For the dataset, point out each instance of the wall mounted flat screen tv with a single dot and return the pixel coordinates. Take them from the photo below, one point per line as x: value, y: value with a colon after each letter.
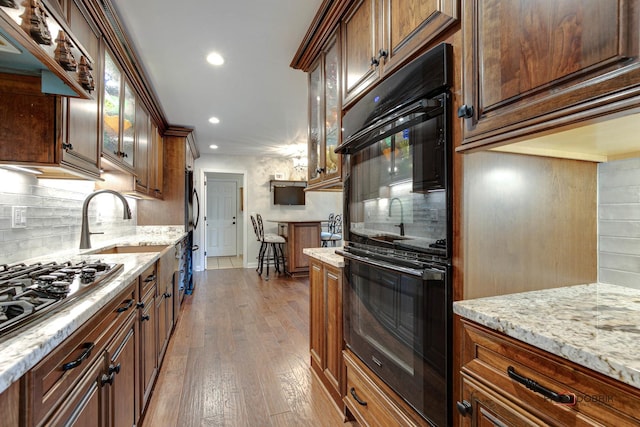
x: 288, y: 195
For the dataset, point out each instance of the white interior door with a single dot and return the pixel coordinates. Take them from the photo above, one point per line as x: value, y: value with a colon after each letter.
x: 221, y: 217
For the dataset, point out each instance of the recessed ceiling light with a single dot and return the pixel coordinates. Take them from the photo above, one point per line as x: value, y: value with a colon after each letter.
x: 215, y: 58
x: 214, y: 120
x: 213, y: 146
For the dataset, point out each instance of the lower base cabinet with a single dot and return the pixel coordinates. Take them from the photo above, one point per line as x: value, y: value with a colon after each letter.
x: 326, y: 336
x: 492, y: 396
x: 100, y: 376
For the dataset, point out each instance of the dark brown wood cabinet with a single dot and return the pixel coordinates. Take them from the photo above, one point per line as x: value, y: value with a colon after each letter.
x: 378, y: 36
x: 165, y: 300
x: 326, y: 336
x: 80, y: 117
x: 35, y: 130
x: 148, y: 334
x: 325, y: 166
x: 121, y: 372
x: 77, y: 394
x: 490, y: 396
x: 534, y: 66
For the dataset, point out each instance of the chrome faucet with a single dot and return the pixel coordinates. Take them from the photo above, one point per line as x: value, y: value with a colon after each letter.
x: 85, y: 234
x: 401, y: 225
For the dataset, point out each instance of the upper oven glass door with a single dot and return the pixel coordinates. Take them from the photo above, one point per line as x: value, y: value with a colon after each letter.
x: 397, y: 184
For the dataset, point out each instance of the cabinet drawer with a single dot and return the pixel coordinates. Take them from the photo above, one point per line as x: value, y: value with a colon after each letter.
x: 147, y: 280
x: 593, y: 398
x: 54, y: 377
x: 370, y: 403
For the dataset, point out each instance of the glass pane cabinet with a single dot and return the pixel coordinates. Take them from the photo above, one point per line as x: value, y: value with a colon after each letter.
x: 119, y: 112
x: 325, y: 119
x: 111, y: 107
x: 332, y: 111
x: 128, y: 122
x: 315, y: 110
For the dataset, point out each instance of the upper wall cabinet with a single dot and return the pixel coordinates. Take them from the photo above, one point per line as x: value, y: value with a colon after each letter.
x: 80, y: 130
x: 325, y: 166
x: 381, y: 35
x: 531, y: 66
x: 118, y: 119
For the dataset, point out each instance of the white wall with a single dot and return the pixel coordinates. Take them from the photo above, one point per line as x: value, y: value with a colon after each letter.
x: 619, y: 222
x: 258, y: 199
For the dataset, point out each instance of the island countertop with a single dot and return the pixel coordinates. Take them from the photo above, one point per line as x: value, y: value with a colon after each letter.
x: 594, y: 325
x: 326, y: 255
x: 22, y: 351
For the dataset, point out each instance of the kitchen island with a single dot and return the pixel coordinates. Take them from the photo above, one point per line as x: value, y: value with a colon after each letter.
x: 299, y: 234
x: 574, y: 348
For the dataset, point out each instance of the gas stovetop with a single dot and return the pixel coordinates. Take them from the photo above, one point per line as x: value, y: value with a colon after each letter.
x: 27, y: 292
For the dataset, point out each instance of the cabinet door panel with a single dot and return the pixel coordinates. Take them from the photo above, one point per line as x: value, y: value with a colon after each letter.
x: 122, y: 354
x: 537, y: 65
x: 333, y: 295
x: 316, y: 134
x: 81, y: 130
x: 316, y: 312
x: 128, y: 124
x: 360, y: 35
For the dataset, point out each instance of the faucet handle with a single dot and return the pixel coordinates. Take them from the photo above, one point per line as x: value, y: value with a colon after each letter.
x: 96, y: 232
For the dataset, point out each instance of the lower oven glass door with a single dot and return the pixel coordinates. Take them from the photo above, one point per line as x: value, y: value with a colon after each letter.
x: 398, y: 324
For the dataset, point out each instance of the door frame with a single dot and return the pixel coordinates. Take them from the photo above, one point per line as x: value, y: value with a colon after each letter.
x: 202, y: 233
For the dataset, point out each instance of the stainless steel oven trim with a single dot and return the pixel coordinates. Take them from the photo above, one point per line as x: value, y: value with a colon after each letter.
x: 419, y: 273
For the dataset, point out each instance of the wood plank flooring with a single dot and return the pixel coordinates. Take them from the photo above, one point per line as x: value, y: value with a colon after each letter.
x: 240, y: 357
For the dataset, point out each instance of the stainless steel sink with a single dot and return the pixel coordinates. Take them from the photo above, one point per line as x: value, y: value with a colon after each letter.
x: 130, y: 249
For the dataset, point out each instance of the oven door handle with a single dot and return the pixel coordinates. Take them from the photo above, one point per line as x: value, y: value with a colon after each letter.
x: 416, y: 272
x: 349, y: 145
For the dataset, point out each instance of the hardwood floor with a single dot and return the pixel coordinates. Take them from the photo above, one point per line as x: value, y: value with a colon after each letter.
x: 240, y: 357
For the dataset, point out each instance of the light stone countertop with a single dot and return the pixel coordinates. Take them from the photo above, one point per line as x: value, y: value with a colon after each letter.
x: 595, y: 325
x: 20, y: 352
x: 326, y: 255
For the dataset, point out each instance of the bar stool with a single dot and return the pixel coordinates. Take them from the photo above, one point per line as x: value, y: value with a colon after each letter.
x: 271, y: 248
x: 334, y: 231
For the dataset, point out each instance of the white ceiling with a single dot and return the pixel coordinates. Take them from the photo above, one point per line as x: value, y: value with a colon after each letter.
x: 261, y: 102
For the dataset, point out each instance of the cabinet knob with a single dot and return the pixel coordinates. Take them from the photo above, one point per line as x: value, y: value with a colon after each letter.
x: 140, y: 305
x: 382, y: 54
x: 144, y: 317
x: 167, y: 295
x: 114, y: 368
x: 107, y: 379
x: 374, y: 61
x: 67, y: 146
x: 464, y: 408
x: 465, y: 111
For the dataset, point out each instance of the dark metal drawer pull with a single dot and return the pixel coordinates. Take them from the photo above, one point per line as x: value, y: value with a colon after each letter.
x: 126, y: 307
x: 355, y: 396
x: 88, y: 346
x: 534, y: 386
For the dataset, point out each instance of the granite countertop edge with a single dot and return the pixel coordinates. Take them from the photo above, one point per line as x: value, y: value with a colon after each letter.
x: 21, y: 352
x: 587, y: 324
x: 326, y: 255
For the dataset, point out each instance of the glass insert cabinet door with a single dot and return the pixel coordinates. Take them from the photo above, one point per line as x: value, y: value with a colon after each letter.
x: 119, y: 112
x: 332, y: 110
x: 128, y: 121
x: 111, y: 107
x: 315, y: 119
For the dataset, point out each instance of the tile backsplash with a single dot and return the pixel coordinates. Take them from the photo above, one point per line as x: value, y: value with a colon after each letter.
x: 53, y: 216
x: 619, y: 222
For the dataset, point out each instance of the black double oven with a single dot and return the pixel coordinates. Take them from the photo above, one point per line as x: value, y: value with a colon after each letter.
x: 397, y: 211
